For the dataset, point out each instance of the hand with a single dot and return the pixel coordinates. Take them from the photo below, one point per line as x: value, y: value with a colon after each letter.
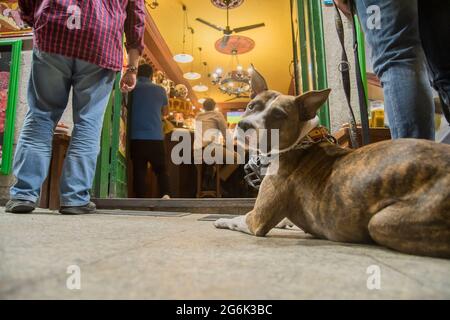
x: 344, y: 6
x: 128, y: 81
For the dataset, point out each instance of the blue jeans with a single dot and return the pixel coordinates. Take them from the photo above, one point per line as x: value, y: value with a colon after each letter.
x: 399, y: 60
x: 52, y: 77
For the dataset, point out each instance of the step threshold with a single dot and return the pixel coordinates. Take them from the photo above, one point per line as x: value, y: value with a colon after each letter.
x: 205, y: 206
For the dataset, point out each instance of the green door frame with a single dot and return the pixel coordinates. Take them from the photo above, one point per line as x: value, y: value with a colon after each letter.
x: 360, y: 38
x: 102, y: 174
x: 313, y: 64
x: 118, y: 177
x: 13, y: 91
x: 110, y: 177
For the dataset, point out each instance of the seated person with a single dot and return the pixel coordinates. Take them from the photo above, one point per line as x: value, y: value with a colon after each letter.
x: 213, y: 126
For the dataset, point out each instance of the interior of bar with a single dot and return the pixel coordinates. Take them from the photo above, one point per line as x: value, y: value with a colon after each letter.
x: 203, y: 52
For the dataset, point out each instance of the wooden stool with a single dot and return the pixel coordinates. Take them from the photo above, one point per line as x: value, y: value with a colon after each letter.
x: 208, y: 193
x: 50, y: 189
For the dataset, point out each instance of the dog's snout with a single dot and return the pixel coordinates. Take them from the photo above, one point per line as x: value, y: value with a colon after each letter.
x: 245, y: 125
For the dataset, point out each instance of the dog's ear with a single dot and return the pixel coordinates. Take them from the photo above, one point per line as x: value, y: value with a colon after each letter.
x: 310, y: 102
x: 257, y: 82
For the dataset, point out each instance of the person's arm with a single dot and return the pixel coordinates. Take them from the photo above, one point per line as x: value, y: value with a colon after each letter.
x: 129, y: 78
x: 134, y: 32
x: 27, y: 11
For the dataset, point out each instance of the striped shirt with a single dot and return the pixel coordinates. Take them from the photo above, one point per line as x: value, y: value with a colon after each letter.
x: 90, y: 30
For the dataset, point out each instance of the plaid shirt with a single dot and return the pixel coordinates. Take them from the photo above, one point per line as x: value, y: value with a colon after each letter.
x: 90, y: 30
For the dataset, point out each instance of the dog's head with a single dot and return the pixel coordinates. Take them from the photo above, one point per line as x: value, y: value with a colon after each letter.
x: 273, y: 110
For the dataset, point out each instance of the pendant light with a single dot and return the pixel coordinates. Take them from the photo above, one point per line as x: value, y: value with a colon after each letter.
x: 191, y: 75
x: 184, y: 57
x: 201, y: 87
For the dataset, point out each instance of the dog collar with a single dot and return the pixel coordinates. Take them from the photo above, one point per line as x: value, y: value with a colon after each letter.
x: 310, y: 135
x: 315, y: 136
x: 253, y: 169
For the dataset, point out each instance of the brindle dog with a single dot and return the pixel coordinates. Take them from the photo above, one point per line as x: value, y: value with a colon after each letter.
x: 393, y: 193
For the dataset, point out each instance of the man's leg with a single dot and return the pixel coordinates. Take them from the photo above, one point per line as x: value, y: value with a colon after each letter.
x: 434, y: 21
x: 140, y: 163
x: 399, y: 62
x: 158, y: 161
x: 92, y: 87
x: 48, y: 92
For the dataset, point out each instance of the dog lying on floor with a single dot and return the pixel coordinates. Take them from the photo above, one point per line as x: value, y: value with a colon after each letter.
x: 393, y: 193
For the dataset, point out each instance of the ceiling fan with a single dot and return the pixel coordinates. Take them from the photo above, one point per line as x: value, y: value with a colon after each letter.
x: 228, y: 31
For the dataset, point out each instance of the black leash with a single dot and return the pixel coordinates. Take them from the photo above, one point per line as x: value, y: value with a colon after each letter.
x: 363, y: 108
x: 344, y: 68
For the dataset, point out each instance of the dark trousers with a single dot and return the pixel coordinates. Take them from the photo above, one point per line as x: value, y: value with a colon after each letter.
x: 434, y: 16
x: 143, y: 152
x: 411, y: 34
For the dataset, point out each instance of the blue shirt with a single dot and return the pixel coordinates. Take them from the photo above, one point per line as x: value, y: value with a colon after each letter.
x: 148, y: 101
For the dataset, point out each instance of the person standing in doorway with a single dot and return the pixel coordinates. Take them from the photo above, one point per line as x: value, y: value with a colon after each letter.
x: 78, y: 47
x: 149, y: 106
x: 408, y: 38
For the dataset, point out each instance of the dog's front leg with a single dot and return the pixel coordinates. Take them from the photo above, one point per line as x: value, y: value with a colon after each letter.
x: 266, y: 214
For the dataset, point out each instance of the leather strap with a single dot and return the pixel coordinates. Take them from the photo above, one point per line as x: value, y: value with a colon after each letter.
x: 315, y: 136
x: 319, y: 134
x: 363, y: 108
x: 344, y: 68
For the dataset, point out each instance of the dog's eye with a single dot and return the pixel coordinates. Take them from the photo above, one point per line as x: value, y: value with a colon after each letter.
x: 279, y: 113
x: 251, y: 106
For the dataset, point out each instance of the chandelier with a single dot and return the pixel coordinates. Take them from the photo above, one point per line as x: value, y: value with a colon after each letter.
x: 235, y: 82
x: 224, y: 4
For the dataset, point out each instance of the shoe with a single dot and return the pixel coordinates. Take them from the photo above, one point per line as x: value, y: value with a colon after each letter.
x: 166, y: 197
x: 20, y: 206
x: 74, y: 210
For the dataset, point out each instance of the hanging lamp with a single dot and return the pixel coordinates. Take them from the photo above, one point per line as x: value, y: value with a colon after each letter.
x: 191, y: 75
x: 184, y: 57
x: 201, y: 87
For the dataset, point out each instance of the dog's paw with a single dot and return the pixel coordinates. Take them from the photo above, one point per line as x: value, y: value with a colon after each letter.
x: 236, y: 224
x: 222, y: 223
